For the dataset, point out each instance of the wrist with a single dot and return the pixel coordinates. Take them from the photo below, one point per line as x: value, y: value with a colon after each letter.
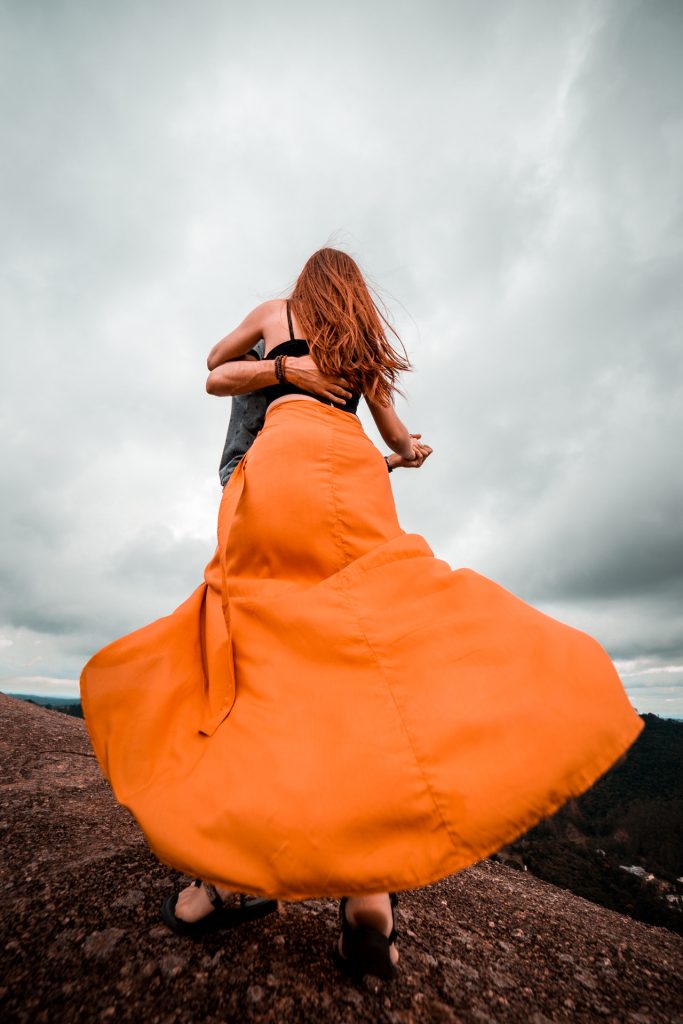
x: 291, y: 370
x: 267, y: 373
x: 280, y: 372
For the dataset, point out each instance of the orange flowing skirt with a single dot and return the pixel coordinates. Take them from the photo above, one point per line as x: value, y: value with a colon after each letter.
x: 334, y: 710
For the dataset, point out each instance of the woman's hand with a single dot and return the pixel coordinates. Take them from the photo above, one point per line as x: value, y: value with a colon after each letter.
x: 420, y: 453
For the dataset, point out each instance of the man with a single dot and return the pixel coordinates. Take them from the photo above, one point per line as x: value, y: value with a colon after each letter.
x: 243, y: 381
x: 247, y: 412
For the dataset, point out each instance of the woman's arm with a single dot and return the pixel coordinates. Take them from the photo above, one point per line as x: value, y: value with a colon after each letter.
x: 243, y: 338
x: 423, y: 451
x: 393, y: 431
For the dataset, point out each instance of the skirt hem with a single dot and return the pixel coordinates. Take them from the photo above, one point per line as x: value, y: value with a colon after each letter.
x: 577, y: 784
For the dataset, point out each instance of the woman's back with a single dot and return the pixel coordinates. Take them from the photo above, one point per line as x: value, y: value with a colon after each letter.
x: 282, y: 324
x: 294, y: 346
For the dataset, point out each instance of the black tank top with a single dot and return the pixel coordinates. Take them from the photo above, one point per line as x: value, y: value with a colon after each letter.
x: 299, y: 347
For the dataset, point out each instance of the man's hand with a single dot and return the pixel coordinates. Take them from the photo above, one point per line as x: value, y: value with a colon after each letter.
x: 302, y: 371
x: 420, y: 451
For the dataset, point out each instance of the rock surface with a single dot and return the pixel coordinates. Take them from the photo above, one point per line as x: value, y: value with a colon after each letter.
x: 82, y: 939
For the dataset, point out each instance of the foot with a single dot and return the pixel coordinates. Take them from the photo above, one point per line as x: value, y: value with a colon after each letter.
x: 374, y: 911
x: 194, y: 902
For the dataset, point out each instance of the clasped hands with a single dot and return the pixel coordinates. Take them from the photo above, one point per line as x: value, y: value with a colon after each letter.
x: 420, y: 453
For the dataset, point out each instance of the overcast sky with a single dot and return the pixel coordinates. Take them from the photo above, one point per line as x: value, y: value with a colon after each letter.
x: 509, y: 177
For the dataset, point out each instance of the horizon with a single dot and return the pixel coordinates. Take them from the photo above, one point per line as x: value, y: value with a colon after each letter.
x: 77, y: 700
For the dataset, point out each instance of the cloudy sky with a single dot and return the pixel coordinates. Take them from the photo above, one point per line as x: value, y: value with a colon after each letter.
x: 509, y: 177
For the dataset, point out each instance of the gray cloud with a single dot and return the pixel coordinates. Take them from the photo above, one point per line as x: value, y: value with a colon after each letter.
x: 508, y: 175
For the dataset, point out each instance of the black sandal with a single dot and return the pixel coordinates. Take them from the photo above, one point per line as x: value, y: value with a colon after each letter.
x: 250, y: 908
x: 364, y: 949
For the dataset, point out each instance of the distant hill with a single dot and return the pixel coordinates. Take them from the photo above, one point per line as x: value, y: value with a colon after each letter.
x: 620, y: 844
x: 68, y: 705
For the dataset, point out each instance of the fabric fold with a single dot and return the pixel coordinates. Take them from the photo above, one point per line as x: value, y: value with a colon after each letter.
x: 336, y: 710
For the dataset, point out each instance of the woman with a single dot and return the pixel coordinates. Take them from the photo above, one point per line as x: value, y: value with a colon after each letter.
x: 335, y: 711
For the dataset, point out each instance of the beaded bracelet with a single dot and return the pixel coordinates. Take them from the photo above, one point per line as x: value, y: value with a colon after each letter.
x: 280, y: 369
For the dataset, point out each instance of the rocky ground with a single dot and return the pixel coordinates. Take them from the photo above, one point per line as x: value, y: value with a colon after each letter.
x: 82, y: 939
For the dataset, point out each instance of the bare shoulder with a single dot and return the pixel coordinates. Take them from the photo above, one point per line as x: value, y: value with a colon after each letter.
x: 271, y: 314
x: 264, y: 311
x: 273, y: 305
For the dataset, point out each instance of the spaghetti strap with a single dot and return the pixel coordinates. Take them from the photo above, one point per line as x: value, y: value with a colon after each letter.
x: 289, y: 321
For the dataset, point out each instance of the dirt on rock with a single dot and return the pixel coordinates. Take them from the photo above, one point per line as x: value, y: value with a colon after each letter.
x: 83, y: 940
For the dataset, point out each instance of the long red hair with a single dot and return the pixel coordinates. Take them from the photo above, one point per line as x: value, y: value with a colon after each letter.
x: 343, y: 326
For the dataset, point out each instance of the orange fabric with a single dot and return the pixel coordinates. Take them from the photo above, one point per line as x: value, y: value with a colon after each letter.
x: 335, y: 710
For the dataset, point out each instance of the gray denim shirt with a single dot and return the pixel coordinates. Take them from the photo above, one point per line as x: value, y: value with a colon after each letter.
x: 246, y: 419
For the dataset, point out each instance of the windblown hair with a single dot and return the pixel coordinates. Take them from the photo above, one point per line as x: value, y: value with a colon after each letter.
x: 344, y: 328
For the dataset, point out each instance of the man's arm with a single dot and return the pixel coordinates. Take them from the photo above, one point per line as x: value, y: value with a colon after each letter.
x: 240, y: 376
